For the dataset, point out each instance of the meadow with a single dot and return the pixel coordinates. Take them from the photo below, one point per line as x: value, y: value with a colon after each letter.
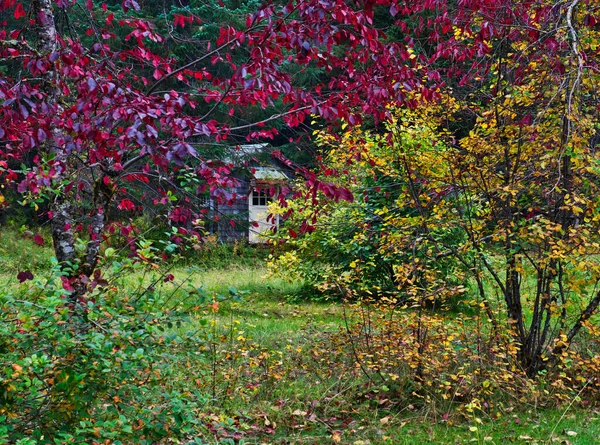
x: 254, y: 360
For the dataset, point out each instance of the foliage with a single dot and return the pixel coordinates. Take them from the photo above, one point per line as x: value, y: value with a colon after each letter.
x: 432, y: 357
x: 367, y: 245
x: 104, y: 109
x: 486, y: 191
x: 282, y: 372
x: 507, y: 196
x: 528, y: 195
x: 444, y: 220
x: 103, y: 377
x: 337, y: 367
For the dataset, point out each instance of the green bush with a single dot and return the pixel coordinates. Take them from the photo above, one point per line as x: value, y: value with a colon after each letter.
x: 94, y: 370
x: 382, y: 243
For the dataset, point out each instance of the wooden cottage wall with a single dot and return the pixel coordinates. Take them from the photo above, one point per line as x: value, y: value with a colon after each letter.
x: 230, y: 222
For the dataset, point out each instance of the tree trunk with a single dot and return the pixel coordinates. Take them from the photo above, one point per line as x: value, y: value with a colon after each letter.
x: 61, y: 220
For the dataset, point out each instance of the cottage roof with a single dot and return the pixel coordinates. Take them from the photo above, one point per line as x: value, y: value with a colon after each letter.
x: 268, y: 174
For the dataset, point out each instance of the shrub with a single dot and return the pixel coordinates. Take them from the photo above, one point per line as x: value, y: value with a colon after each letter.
x: 380, y: 243
x: 93, y: 370
x: 453, y: 363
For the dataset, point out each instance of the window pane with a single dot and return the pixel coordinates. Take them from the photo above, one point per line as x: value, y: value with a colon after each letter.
x: 261, y: 197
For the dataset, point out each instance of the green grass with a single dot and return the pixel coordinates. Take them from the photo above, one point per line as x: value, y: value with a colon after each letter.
x: 315, y: 407
x: 18, y: 252
x: 532, y: 428
x: 272, y: 374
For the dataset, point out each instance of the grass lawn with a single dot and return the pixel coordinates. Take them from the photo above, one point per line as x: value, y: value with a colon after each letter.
x: 300, y: 394
x: 272, y: 370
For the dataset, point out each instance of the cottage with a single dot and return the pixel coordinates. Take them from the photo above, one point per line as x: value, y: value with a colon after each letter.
x: 247, y: 216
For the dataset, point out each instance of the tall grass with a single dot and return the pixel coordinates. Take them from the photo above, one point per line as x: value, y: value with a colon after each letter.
x: 272, y: 373
x: 19, y: 252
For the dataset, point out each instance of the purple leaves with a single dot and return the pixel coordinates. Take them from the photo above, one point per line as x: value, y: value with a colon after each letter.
x: 24, y: 276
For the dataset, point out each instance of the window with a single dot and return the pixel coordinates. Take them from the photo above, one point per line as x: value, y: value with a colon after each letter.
x: 260, y: 198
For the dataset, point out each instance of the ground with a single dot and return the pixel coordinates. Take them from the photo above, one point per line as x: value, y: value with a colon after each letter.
x: 263, y: 364
x: 303, y: 395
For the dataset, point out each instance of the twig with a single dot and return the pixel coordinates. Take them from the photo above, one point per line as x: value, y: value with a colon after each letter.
x: 568, y: 408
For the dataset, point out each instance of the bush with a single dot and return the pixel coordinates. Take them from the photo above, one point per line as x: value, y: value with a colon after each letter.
x: 456, y: 363
x: 93, y: 370
x: 382, y: 243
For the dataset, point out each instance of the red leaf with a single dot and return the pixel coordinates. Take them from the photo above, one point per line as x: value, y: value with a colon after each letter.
x: 89, y: 4
x: 19, y: 12
x: 126, y: 204
x: 38, y: 239
x: 66, y: 283
x: 293, y: 233
x: 178, y: 21
x: 24, y: 276
x: 345, y: 194
x: 526, y: 120
x: 181, y: 20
